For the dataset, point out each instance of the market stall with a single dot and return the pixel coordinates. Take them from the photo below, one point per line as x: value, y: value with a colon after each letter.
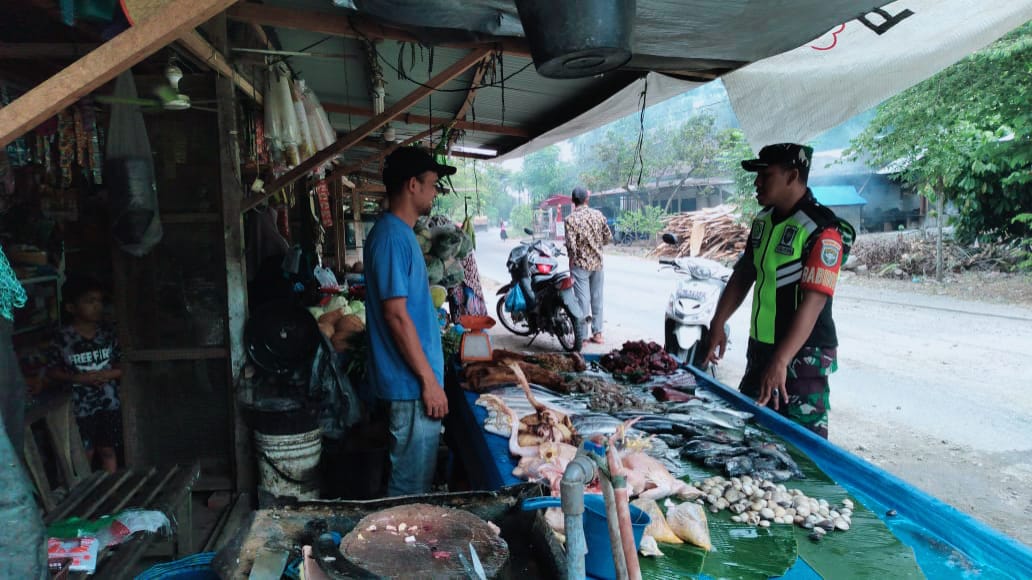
x: 863, y: 521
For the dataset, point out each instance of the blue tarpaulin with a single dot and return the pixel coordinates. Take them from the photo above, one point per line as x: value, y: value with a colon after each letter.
x: 946, y: 542
x: 838, y: 195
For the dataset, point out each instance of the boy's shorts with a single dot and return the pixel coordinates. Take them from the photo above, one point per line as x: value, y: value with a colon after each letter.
x: 101, y: 429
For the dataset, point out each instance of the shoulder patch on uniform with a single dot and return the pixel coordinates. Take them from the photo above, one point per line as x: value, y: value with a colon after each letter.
x: 830, y: 250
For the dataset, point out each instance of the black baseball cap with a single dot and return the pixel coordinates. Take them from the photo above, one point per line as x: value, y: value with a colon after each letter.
x: 788, y: 154
x: 579, y: 194
x: 406, y: 162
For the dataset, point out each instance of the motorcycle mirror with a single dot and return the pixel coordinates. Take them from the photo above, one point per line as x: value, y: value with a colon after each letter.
x: 670, y: 239
x: 528, y: 231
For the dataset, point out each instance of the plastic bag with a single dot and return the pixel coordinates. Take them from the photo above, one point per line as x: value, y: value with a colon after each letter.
x: 129, y: 170
x: 515, y: 301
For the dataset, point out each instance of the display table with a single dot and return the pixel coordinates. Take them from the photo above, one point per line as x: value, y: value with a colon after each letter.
x: 944, y: 540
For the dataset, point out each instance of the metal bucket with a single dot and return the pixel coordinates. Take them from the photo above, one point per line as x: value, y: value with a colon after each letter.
x: 288, y: 465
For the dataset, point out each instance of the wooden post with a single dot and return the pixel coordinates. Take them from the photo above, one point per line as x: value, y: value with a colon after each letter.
x: 233, y: 244
x: 129, y: 394
x: 356, y: 217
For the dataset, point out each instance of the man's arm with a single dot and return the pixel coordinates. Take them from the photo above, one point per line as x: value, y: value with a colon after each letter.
x: 406, y: 339
x: 734, y: 293
x: 571, y: 240
x: 607, y: 234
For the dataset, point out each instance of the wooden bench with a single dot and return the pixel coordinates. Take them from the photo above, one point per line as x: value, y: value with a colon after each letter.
x: 73, y: 490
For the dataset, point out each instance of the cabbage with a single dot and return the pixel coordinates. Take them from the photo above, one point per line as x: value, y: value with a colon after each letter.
x: 446, y: 242
x: 434, y: 270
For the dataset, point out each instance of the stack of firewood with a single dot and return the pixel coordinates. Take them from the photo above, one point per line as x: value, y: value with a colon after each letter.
x: 707, y: 233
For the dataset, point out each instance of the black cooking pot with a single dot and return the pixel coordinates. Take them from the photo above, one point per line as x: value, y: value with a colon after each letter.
x: 282, y: 337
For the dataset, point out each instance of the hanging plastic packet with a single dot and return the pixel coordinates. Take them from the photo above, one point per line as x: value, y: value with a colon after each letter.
x: 327, y: 280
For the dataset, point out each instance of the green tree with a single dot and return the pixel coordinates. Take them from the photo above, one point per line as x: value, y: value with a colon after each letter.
x: 522, y: 216
x: 647, y: 220
x: 545, y: 175
x: 733, y: 149
x: 681, y: 150
x: 965, y: 134
x: 480, y: 188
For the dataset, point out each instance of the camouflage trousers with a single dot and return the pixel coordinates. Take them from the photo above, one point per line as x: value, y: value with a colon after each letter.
x: 806, y: 382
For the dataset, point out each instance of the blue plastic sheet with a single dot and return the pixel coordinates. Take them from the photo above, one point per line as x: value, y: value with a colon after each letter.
x: 946, y: 542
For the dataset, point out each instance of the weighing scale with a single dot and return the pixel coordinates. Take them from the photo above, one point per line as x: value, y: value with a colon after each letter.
x: 476, y: 344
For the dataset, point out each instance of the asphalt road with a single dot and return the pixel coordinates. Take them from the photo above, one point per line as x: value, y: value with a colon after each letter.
x: 935, y: 390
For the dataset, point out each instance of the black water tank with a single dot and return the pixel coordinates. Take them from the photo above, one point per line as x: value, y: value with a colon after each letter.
x: 578, y: 38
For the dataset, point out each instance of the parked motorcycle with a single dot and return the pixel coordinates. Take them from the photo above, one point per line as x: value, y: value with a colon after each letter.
x: 692, y: 304
x: 548, y: 301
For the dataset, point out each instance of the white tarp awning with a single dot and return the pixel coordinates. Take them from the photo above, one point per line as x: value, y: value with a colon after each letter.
x: 797, y: 95
x: 623, y: 103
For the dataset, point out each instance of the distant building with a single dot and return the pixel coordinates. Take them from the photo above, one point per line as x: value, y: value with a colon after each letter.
x: 843, y: 200
x: 888, y: 205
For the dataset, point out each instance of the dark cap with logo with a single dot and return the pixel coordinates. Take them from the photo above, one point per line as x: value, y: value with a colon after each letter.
x: 579, y: 194
x: 406, y: 162
x: 787, y: 154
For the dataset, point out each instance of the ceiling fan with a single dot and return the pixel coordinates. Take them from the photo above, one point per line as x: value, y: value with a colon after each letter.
x: 168, y: 96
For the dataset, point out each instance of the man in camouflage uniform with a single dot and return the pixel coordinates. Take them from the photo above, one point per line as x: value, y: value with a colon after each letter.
x: 796, y: 247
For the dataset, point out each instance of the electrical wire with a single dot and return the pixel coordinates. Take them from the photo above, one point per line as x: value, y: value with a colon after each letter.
x: 405, y: 76
x: 641, y: 133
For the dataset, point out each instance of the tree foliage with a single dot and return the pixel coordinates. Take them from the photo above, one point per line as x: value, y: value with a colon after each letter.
x: 480, y: 188
x: 966, y: 134
x: 733, y: 149
x: 647, y: 220
x: 544, y: 174
x: 522, y: 216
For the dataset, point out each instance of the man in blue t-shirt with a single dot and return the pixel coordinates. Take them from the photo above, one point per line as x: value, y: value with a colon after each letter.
x: 406, y: 366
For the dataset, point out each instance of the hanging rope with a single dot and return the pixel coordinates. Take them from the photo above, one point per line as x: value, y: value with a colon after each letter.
x: 641, y: 134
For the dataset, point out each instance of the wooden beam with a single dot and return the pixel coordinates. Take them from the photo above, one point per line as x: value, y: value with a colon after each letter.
x: 103, y: 64
x: 369, y: 126
x: 414, y: 119
x: 357, y: 26
x: 215, y: 60
x: 371, y: 188
x: 349, y: 169
x: 460, y: 115
x: 478, y: 77
x: 45, y: 50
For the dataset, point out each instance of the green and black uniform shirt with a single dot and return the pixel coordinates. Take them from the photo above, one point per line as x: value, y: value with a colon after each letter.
x: 788, y: 256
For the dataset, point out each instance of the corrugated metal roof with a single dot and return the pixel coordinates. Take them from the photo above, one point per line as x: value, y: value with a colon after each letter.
x: 669, y: 35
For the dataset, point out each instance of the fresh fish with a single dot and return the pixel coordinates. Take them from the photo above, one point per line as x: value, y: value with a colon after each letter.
x: 705, y: 417
x: 672, y: 440
x: 776, y: 475
x: 779, y: 453
x: 738, y: 466
x: 701, y: 449
x: 711, y: 406
x: 588, y: 424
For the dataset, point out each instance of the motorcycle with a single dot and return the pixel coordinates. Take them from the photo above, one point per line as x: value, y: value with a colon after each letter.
x: 692, y: 304
x: 549, y: 302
